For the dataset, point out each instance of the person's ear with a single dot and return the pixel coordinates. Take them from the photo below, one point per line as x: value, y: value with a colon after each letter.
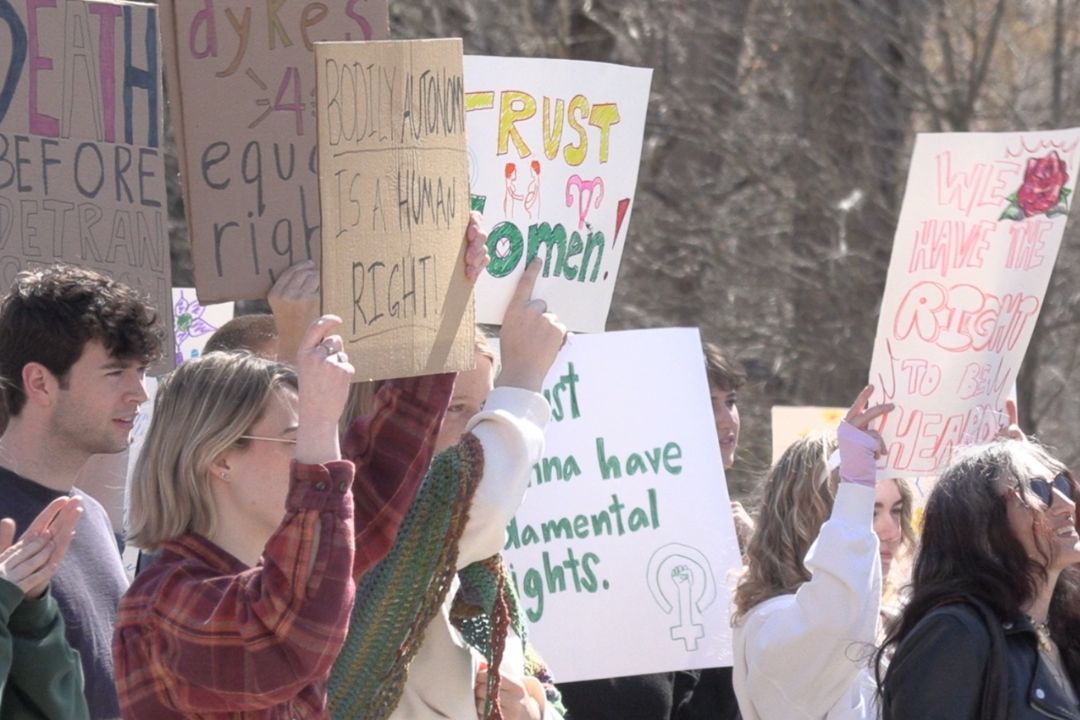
x: 220, y: 468
x: 40, y: 386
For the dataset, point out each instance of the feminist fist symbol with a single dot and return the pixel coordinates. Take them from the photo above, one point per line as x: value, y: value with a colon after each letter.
x: 682, y: 584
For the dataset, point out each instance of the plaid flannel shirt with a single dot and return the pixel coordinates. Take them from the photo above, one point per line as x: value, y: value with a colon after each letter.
x: 201, y: 635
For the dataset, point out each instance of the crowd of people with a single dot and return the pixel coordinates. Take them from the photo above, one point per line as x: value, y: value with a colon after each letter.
x: 313, y: 547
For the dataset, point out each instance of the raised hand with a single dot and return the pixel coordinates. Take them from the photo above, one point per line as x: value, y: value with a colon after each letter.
x: 530, y: 338
x: 860, y: 447
x: 31, y: 563
x: 476, y: 254
x: 324, y: 373
x: 294, y: 300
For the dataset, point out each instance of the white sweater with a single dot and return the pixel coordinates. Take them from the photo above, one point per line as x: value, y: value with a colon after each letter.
x: 807, y: 656
x: 442, y: 675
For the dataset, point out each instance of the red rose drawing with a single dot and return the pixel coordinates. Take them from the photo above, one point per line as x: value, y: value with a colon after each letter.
x: 1043, y: 191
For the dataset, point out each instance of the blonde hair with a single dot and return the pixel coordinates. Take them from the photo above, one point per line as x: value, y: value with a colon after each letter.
x: 797, y: 499
x: 201, y: 410
x: 361, y: 400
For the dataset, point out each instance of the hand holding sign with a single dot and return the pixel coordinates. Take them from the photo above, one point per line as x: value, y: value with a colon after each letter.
x: 324, y: 376
x: 294, y: 300
x: 476, y: 253
x: 531, y: 337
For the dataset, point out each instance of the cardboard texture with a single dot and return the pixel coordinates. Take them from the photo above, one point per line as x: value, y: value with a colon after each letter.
x: 978, y: 234
x: 82, y: 172
x: 393, y: 183
x: 554, y: 150
x: 625, y: 541
x: 241, y: 81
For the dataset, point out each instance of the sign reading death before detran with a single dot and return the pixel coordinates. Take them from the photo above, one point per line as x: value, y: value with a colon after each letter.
x: 978, y: 234
x: 82, y: 173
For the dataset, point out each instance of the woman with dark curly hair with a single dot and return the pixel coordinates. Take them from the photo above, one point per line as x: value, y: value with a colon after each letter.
x: 992, y: 626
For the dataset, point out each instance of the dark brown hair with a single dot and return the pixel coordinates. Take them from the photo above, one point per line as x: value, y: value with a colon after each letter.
x: 723, y: 373
x: 49, y: 315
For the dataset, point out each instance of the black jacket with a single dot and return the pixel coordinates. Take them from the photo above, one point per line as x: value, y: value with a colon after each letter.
x: 939, y: 669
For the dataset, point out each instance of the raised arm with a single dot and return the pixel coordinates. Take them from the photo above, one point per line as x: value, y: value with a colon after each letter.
x: 830, y: 627
x: 212, y: 635
x: 392, y: 446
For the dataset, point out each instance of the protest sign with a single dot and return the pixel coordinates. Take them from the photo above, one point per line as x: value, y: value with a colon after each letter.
x: 625, y: 541
x: 195, y: 323
x: 82, y: 174
x: 794, y: 423
x: 554, y: 149
x: 393, y: 181
x: 978, y: 234
x: 241, y: 81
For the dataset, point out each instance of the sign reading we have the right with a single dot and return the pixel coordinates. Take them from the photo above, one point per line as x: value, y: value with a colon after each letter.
x: 981, y: 224
x: 241, y: 81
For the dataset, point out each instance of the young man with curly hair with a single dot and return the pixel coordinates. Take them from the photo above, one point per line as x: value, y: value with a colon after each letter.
x: 74, y: 347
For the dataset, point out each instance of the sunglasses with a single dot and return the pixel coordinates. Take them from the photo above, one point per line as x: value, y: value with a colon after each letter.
x: 1044, y: 489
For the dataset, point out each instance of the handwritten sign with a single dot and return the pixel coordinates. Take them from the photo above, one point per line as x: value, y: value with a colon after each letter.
x: 195, y: 323
x: 82, y: 174
x: 977, y: 238
x: 241, y: 79
x: 554, y: 149
x: 394, y: 187
x: 794, y: 423
x: 625, y: 541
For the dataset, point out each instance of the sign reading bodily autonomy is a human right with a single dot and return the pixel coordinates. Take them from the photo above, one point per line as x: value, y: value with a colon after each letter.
x: 554, y: 148
x: 82, y: 170
x: 625, y: 541
x: 393, y: 183
x: 978, y: 234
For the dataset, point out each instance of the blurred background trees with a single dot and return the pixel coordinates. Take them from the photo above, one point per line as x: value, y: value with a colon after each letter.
x: 775, y: 160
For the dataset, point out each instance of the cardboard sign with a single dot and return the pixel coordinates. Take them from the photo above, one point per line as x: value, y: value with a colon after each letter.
x: 554, y: 149
x: 393, y: 179
x: 976, y: 241
x: 625, y: 541
x: 195, y: 323
x: 794, y: 423
x: 82, y: 173
x: 241, y: 80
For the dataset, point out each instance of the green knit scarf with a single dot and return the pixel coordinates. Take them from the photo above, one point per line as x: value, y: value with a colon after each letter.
x: 399, y: 597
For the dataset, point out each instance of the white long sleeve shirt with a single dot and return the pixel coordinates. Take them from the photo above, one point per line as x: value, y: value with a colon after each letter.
x: 442, y: 675
x: 807, y: 656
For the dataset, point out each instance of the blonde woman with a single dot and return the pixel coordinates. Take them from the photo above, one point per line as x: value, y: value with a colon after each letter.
x: 241, y: 488
x: 807, y: 608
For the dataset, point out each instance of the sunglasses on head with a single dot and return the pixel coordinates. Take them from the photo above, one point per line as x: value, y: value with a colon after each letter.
x: 1044, y: 489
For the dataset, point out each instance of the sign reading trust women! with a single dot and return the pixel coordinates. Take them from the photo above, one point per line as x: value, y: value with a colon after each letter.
x: 977, y: 238
x: 625, y: 541
x: 241, y: 80
x: 554, y: 148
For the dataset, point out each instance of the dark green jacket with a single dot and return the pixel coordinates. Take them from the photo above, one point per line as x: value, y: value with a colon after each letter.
x: 40, y: 675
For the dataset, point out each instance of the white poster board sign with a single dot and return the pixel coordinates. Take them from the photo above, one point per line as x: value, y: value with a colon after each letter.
x: 978, y: 234
x: 625, y: 541
x: 554, y: 149
x: 193, y: 324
